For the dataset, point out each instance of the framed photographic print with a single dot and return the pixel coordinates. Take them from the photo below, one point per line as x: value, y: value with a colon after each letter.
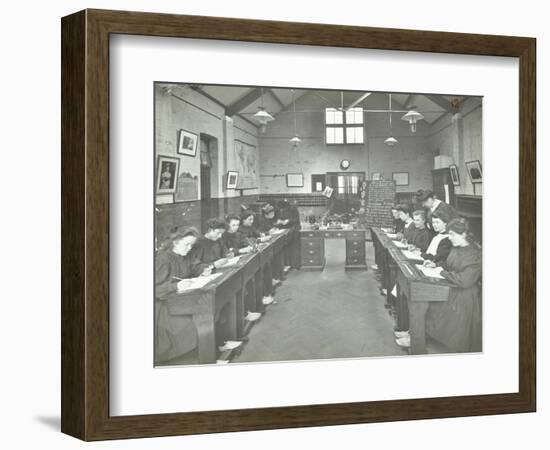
x: 474, y: 170
x: 318, y: 182
x: 295, y: 180
x: 376, y: 176
x: 187, y: 143
x: 401, y: 178
x: 232, y: 179
x: 141, y: 321
x: 167, y: 174
x: 455, y: 178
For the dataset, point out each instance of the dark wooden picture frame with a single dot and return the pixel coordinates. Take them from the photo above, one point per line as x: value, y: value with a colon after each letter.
x: 472, y: 166
x: 161, y: 161
x: 455, y: 176
x: 229, y: 183
x: 182, y: 136
x: 85, y: 224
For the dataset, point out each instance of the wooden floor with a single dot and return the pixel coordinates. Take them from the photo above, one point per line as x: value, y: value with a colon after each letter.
x: 320, y: 315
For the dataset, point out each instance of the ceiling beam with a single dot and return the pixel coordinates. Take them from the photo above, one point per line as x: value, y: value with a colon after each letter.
x: 439, y: 101
x: 276, y: 98
x: 246, y: 100
x: 408, y: 101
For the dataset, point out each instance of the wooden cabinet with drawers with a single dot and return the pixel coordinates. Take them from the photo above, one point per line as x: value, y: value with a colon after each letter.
x: 313, y: 248
x: 312, y: 252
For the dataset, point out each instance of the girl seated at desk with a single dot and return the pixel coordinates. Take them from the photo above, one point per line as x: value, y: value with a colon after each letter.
x: 266, y: 220
x: 397, y: 222
x: 409, y: 229
x: 455, y: 323
x: 440, y: 245
x: 232, y: 239
x: 247, y: 229
x: 175, y: 335
x: 422, y: 236
x: 210, y: 248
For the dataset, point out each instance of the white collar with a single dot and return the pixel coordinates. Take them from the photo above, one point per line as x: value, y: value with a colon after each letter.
x: 436, y: 204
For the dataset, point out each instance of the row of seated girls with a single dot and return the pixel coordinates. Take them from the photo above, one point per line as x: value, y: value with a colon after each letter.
x: 443, y: 240
x: 189, y: 255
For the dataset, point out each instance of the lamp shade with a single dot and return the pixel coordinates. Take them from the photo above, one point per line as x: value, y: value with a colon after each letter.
x: 263, y: 116
x: 295, y: 141
x: 412, y: 117
x: 391, y: 141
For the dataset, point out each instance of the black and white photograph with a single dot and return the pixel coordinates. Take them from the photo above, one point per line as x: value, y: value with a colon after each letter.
x: 187, y: 143
x: 167, y: 174
x: 307, y: 252
x: 232, y: 179
x: 474, y: 170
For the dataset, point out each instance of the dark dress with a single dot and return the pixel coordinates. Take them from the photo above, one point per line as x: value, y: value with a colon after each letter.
x: 456, y: 323
x: 207, y: 251
x: 292, y: 253
x: 422, y: 238
x: 442, y: 252
x: 174, y: 335
x: 265, y: 224
x: 233, y: 240
x: 409, y: 232
x: 249, y: 232
x: 398, y: 225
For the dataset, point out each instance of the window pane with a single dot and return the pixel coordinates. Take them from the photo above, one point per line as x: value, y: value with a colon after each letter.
x: 330, y: 135
x: 333, y: 116
x: 350, y: 135
x: 354, y: 183
x: 354, y: 135
x: 354, y: 116
x: 338, y: 135
x: 340, y: 184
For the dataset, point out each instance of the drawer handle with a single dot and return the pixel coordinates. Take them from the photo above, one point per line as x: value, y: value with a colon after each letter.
x: 356, y: 243
x: 310, y: 244
x: 338, y: 234
x: 311, y: 252
x: 311, y: 261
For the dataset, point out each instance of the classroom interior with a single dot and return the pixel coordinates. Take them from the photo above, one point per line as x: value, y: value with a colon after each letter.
x: 226, y: 158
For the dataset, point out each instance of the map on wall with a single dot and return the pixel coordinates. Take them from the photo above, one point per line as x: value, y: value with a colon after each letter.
x: 246, y: 158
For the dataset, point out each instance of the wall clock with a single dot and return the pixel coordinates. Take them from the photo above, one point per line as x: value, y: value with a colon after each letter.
x: 344, y: 164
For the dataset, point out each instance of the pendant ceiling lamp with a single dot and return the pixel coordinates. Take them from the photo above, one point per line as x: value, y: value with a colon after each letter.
x: 295, y: 141
x: 391, y: 141
x: 412, y: 117
x: 262, y: 116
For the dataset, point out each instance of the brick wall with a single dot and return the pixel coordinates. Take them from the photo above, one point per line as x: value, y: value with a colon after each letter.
x: 380, y: 198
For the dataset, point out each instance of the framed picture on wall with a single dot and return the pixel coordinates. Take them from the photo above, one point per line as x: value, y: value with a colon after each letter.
x: 474, y: 170
x: 401, y: 178
x: 187, y: 143
x: 114, y: 338
x: 232, y: 178
x: 294, y: 180
x: 167, y: 174
x: 376, y: 176
x: 455, y: 178
x: 318, y: 182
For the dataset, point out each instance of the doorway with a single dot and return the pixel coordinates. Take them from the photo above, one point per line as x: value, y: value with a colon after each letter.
x: 346, y: 191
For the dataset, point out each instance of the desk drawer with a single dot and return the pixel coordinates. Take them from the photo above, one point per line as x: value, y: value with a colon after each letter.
x: 311, y: 244
x: 355, y: 252
x: 354, y: 244
x: 317, y: 260
x: 356, y: 235
x: 355, y: 261
x: 310, y: 234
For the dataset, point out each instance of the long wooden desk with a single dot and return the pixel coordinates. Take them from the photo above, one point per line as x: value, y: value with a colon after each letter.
x: 412, y: 287
x: 238, y: 290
